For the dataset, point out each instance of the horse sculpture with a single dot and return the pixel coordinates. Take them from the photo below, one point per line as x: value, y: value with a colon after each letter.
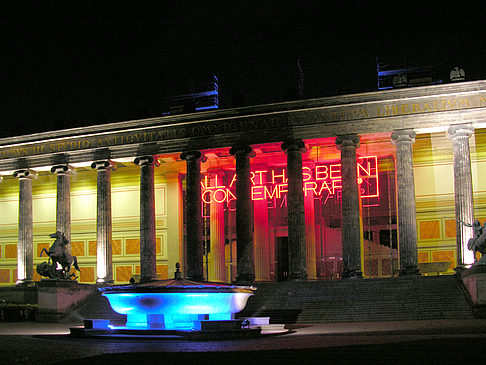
x: 478, y: 242
x: 60, y: 260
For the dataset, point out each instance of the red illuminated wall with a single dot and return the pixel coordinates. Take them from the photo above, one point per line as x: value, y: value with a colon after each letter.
x: 322, y: 180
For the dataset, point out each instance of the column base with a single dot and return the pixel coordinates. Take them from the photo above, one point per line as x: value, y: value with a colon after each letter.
x: 102, y: 281
x: 194, y: 278
x: 460, y: 269
x: 296, y: 276
x: 409, y: 271
x: 352, y: 274
x: 25, y: 283
x: 245, y: 279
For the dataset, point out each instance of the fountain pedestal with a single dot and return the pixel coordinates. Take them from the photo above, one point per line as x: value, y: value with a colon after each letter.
x: 176, y: 307
x: 176, y: 304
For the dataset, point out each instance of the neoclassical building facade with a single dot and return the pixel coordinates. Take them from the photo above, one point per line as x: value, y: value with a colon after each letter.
x: 374, y: 185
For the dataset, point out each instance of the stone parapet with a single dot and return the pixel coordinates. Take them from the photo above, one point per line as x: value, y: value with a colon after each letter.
x: 474, y: 280
x: 57, y: 297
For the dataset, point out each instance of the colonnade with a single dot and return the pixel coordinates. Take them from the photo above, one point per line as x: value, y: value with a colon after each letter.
x: 299, y: 258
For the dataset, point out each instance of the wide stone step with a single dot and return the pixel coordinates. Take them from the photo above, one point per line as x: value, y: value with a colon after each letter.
x: 361, y: 300
x: 392, y: 299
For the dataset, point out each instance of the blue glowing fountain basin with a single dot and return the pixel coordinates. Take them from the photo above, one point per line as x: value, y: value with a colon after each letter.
x: 176, y: 303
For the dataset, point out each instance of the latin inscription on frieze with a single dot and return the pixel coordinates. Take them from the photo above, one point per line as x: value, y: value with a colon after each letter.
x: 276, y: 121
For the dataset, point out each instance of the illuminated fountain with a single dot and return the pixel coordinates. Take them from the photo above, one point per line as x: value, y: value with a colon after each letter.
x: 175, y: 306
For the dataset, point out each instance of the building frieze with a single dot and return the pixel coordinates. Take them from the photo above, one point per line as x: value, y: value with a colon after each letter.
x: 305, y: 119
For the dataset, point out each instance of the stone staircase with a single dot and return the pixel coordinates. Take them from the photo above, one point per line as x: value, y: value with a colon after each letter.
x: 351, y: 300
x: 360, y: 300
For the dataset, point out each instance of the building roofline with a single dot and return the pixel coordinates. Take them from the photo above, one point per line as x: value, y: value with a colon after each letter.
x: 181, y: 119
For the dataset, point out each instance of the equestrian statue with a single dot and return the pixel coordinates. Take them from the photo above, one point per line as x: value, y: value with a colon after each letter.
x: 60, y: 260
x: 478, y: 242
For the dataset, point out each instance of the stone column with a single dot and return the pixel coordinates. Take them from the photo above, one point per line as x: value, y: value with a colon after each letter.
x: 25, y: 246
x: 407, y: 224
x: 148, y: 260
x: 245, y: 266
x: 63, y: 202
x: 104, y: 266
x: 296, y: 213
x: 217, y: 237
x: 350, y: 227
x: 194, y: 244
x: 175, y: 236
x: 261, y: 240
x: 463, y: 192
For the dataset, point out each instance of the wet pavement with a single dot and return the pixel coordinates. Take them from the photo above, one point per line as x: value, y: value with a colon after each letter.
x: 412, y: 342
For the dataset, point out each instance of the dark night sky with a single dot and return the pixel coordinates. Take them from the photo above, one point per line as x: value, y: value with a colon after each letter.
x: 66, y: 64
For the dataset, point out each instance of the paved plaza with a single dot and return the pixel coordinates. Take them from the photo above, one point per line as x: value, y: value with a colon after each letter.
x: 411, y: 342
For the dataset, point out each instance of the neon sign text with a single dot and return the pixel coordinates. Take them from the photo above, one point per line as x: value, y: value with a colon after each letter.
x: 318, y: 181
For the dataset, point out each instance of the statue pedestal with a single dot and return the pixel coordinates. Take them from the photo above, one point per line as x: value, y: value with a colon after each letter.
x: 56, y: 297
x: 474, y: 279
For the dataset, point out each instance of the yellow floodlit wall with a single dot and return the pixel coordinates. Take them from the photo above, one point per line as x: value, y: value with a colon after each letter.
x: 125, y: 215
x: 434, y: 191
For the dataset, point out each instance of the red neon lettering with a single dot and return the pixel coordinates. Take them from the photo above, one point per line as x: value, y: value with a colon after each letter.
x: 335, y: 171
x: 282, y: 188
x: 310, y: 185
x: 284, y: 180
x: 216, y: 183
x: 269, y: 194
x: 229, y: 196
x: 324, y: 186
x: 204, y: 198
x: 257, y: 192
x: 361, y: 168
x: 317, y: 181
x: 321, y: 173
x: 252, y: 176
x: 336, y: 184
x: 368, y: 176
x: 306, y: 175
x: 205, y: 183
x: 233, y: 179
x: 261, y: 176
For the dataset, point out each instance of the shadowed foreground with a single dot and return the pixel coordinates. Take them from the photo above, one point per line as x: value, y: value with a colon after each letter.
x: 437, y: 351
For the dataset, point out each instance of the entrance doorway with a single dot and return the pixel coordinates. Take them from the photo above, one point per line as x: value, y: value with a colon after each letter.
x: 282, y: 258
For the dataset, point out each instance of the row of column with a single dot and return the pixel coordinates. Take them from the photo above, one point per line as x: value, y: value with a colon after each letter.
x: 351, y: 232
x: 104, y: 267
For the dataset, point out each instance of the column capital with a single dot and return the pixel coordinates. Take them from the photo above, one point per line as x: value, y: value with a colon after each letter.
x: 101, y: 165
x: 24, y: 174
x: 460, y: 130
x: 60, y: 169
x: 294, y: 145
x: 144, y: 160
x: 403, y: 135
x: 241, y: 149
x: 347, y: 140
x: 192, y: 155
